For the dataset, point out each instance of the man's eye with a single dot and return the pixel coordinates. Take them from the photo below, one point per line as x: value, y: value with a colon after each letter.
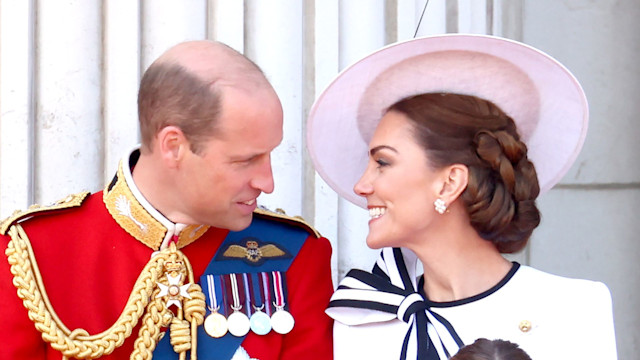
x: 247, y: 161
x: 243, y: 162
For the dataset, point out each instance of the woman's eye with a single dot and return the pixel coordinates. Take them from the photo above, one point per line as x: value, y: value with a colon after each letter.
x: 381, y: 162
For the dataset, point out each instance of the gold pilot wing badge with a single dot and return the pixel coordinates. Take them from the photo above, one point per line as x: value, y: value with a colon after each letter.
x: 252, y: 251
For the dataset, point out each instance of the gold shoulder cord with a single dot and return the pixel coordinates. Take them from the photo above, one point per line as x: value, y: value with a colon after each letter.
x: 159, y: 285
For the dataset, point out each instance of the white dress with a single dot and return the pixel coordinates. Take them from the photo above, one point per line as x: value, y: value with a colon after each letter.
x: 550, y: 317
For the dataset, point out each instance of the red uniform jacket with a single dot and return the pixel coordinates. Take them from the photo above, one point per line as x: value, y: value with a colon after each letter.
x: 89, y: 265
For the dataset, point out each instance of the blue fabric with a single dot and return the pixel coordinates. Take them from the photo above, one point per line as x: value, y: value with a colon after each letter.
x: 266, y: 231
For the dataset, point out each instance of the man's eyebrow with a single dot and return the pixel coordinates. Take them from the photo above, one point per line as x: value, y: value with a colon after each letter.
x: 380, y: 147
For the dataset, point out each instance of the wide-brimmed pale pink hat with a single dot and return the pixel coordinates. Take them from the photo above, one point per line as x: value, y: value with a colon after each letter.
x: 544, y: 99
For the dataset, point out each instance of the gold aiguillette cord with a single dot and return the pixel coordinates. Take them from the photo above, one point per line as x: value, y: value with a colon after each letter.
x: 145, y: 301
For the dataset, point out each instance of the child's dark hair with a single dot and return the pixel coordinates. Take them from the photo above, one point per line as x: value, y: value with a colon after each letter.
x: 483, y: 349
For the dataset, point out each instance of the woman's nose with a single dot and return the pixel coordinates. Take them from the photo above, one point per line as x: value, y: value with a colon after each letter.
x: 363, y: 187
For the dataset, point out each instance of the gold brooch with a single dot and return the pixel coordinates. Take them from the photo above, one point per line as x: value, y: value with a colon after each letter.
x: 525, y: 326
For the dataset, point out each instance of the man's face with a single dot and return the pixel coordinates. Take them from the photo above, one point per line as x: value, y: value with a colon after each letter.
x: 220, y: 184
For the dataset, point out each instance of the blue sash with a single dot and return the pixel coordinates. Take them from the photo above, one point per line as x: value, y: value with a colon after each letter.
x: 279, y: 243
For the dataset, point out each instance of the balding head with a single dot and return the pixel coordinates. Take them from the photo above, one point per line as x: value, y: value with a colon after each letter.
x: 214, y: 63
x: 185, y: 85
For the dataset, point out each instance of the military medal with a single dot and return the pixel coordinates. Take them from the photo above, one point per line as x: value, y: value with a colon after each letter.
x: 281, y: 320
x: 215, y: 324
x: 260, y: 321
x: 238, y: 322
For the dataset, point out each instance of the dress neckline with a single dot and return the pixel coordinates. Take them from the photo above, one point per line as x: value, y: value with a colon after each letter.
x: 444, y: 304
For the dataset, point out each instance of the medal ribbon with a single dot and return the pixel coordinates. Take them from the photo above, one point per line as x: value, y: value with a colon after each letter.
x: 256, y: 293
x: 266, y: 292
x: 247, y: 293
x: 213, y: 300
x: 389, y: 288
x: 237, y: 304
x: 225, y: 296
x: 278, y: 290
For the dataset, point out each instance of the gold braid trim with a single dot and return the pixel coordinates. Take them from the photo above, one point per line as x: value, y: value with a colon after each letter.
x: 280, y: 214
x: 70, y: 201
x: 144, y: 299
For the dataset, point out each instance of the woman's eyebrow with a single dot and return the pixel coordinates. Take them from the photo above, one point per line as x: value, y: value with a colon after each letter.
x: 380, y: 147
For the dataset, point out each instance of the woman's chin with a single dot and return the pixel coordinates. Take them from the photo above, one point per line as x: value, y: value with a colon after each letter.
x: 376, y: 243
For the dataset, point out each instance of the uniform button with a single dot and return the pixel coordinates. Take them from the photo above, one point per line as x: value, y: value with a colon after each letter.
x: 525, y: 326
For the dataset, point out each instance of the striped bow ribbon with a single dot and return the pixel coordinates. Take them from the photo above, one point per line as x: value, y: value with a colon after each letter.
x: 390, y: 290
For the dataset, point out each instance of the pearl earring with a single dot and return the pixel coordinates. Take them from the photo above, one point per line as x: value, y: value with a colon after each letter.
x: 440, y: 206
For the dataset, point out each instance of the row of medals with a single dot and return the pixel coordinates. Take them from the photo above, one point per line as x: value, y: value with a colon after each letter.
x: 239, y: 324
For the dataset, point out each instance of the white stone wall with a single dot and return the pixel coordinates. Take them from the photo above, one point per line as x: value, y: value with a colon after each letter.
x: 69, y: 72
x: 590, y: 222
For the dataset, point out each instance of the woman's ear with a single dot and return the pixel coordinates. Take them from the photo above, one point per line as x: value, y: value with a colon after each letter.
x: 172, y: 145
x: 455, y: 179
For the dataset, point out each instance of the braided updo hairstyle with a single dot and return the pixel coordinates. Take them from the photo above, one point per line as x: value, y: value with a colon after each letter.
x: 462, y: 129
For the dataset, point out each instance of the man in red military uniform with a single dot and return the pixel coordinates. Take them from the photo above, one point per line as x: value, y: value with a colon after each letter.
x: 144, y: 267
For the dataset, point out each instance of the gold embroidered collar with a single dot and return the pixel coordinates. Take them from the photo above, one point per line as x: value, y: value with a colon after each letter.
x: 136, y: 215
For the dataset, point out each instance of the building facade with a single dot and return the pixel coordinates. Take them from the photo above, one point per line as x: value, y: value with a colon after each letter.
x: 69, y: 73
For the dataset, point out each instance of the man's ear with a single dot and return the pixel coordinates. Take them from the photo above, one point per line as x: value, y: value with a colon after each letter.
x: 172, y: 145
x: 455, y: 179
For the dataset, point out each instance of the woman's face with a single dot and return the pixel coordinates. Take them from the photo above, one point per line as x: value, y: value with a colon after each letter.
x: 398, y: 184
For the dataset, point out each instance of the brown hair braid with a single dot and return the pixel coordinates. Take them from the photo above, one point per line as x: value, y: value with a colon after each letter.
x: 462, y: 129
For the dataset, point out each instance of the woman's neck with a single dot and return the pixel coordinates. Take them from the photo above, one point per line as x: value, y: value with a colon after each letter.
x: 460, y: 265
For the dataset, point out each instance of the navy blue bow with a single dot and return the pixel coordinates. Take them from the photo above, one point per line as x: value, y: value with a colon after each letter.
x: 390, y: 289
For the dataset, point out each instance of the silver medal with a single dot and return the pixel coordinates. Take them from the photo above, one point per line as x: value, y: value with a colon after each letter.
x: 239, y: 324
x: 238, y: 321
x: 260, y: 322
x: 282, y: 321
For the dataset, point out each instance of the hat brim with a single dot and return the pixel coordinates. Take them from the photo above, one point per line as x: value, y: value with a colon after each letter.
x: 544, y: 99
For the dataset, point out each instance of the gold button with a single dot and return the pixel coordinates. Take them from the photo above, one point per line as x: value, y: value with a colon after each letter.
x: 525, y: 326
